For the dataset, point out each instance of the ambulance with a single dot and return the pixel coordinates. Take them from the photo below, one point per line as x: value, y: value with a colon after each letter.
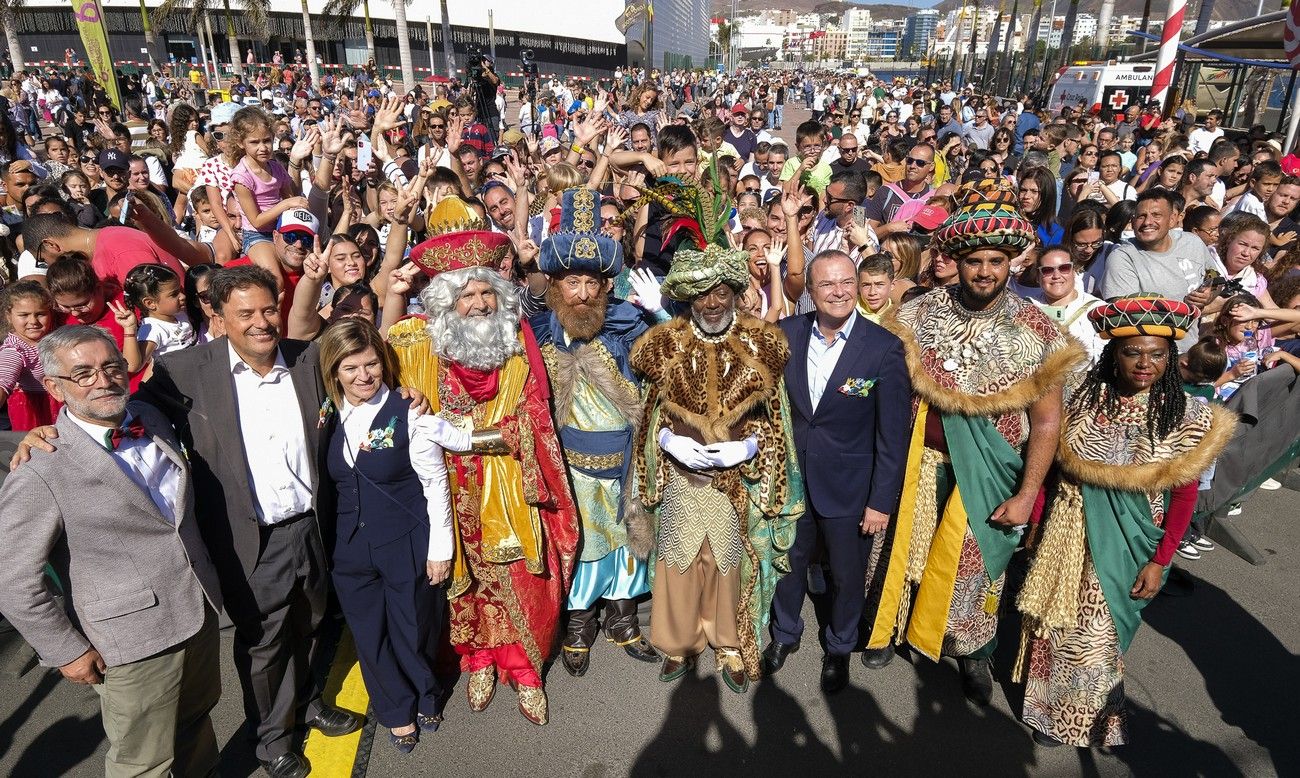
x: 1102, y: 88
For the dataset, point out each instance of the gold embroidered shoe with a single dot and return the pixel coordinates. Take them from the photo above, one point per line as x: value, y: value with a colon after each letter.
x: 482, y: 685
x: 532, y: 703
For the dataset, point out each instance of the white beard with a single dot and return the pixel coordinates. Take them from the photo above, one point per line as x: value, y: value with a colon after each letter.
x: 476, y: 342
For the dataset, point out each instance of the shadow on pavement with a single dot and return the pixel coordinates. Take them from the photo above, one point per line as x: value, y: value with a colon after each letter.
x: 1249, y: 674
x: 64, y: 745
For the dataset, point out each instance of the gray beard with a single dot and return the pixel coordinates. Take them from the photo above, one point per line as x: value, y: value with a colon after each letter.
x: 721, y: 326
x: 477, y: 342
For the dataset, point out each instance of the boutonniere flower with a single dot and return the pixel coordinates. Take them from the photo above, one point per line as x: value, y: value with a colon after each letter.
x: 381, y: 438
x: 857, y: 387
x: 326, y: 408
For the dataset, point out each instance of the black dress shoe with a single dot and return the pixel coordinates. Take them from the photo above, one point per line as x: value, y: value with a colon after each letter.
x: 775, y: 654
x: 876, y: 658
x: 835, y: 673
x: 1045, y: 740
x: 333, y: 722
x: 288, y: 765
x: 976, y: 679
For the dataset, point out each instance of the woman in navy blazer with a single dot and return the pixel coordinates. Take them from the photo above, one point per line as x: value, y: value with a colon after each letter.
x: 393, y: 534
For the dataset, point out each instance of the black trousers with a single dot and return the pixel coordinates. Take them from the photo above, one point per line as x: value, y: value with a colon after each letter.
x: 847, y: 552
x: 395, y: 617
x: 276, y: 634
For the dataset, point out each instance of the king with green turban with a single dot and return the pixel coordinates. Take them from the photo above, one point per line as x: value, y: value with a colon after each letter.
x: 714, y: 457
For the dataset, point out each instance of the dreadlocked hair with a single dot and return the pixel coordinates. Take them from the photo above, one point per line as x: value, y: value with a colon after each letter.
x: 1166, y: 403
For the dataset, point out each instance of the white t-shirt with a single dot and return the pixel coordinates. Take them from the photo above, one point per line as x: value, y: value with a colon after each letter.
x: 1202, y: 139
x: 167, y: 336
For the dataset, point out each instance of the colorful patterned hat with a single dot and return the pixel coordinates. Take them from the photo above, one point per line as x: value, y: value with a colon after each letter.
x: 987, y: 217
x: 578, y: 245
x: 1139, y: 314
x: 459, y: 240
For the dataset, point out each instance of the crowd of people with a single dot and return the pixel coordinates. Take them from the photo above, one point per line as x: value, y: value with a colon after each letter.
x: 496, y: 382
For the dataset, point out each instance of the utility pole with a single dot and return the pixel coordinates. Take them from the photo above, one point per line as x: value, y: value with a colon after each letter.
x: 449, y: 59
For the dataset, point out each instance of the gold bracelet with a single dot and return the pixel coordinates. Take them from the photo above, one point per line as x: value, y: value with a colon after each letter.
x: 488, y: 441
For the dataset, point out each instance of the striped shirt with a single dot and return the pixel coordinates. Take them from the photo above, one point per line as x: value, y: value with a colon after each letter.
x: 20, y: 366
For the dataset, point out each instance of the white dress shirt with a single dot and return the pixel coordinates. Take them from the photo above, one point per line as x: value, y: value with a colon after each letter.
x: 143, y: 461
x: 428, y: 435
x: 275, y: 443
x: 824, y: 356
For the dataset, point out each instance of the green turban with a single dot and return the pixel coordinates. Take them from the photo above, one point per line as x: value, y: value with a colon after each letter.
x: 695, y: 272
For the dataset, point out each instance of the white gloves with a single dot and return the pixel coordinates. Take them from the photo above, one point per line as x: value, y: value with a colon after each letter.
x: 647, y: 292
x: 696, y: 456
x: 448, y: 435
x: 731, y: 452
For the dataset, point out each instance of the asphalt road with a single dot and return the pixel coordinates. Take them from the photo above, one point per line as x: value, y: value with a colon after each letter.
x: 1210, y: 680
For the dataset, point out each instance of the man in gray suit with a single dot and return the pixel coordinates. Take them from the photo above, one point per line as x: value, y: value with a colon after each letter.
x: 112, y: 511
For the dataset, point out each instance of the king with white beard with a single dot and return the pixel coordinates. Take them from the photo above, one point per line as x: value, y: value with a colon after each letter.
x: 516, y: 523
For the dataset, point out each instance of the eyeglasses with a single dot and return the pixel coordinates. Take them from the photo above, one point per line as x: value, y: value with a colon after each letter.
x: 86, y: 378
x: 1048, y: 270
x: 300, y: 237
x: 1090, y: 246
x: 1206, y: 230
x: 914, y: 162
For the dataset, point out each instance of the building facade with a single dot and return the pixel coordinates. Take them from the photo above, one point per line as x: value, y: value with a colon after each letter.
x: 918, y: 31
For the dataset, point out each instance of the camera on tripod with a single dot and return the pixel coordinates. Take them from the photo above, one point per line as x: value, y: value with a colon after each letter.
x: 474, y: 62
x: 528, y: 60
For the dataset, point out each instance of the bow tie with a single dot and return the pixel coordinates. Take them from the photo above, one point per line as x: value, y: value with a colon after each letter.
x: 133, y: 430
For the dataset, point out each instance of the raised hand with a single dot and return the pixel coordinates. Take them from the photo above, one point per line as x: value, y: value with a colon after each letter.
x: 645, y: 291
x: 615, y: 138
x: 331, y: 136
x: 775, y: 254
x: 304, y: 146
x: 124, y: 317
x: 455, y: 133
x: 389, y: 115
x: 315, y: 266
x: 399, y: 281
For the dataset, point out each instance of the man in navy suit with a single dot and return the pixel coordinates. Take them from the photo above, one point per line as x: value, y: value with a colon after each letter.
x: 851, y: 401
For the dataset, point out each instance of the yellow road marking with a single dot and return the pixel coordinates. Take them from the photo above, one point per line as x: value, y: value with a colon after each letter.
x: 335, y: 756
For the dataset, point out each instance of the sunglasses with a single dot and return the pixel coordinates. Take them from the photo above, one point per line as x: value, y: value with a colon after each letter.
x: 218, y: 135
x: 849, y: 150
x: 89, y: 160
x: 438, y: 126
x: 913, y: 161
x: 1048, y: 270
x: 304, y: 239
x: 608, y: 221
x: 205, y: 297
x: 807, y: 210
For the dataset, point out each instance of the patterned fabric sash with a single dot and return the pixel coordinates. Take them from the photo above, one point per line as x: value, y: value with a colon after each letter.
x: 597, y: 453
x: 1122, y: 538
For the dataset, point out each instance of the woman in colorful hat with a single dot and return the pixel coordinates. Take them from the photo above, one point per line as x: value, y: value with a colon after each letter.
x: 1132, y: 445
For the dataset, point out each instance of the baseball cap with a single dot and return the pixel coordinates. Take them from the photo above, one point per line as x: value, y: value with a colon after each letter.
x: 548, y: 145
x: 110, y: 158
x: 511, y: 137
x: 373, y: 93
x: 739, y: 108
x: 297, y: 220
x: 929, y: 218
x: 222, y: 113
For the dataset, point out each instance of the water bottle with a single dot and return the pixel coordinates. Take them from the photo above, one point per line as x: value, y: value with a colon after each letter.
x: 1251, y: 352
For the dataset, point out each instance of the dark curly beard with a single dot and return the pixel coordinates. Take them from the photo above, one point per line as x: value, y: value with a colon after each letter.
x: 580, y: 322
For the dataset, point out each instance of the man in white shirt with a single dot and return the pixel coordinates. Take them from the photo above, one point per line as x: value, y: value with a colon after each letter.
x: 1203, y: 138
x: 247, y: 406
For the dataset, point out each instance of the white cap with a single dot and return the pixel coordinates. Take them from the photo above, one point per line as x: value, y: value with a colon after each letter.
x: 298, y: 220
x: 222, y: 113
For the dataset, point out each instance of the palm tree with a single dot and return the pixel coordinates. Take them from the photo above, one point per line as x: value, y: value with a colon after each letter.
x: 9, y: 19
x: 256, y: 13
x: 1067, y: 34
x: 1031, y: 45
x: 311, y: 46
x: 404, y: 45
x: 338, y: 12
x: 150, y: 41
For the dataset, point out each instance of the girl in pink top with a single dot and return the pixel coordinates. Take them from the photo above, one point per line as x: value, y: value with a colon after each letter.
x: 262, y: 185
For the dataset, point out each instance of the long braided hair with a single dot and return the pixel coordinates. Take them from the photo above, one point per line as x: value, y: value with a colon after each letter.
x: 1166, y: 402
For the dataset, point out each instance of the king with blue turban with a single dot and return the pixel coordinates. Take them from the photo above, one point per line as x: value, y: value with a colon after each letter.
x: 586, y: 337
